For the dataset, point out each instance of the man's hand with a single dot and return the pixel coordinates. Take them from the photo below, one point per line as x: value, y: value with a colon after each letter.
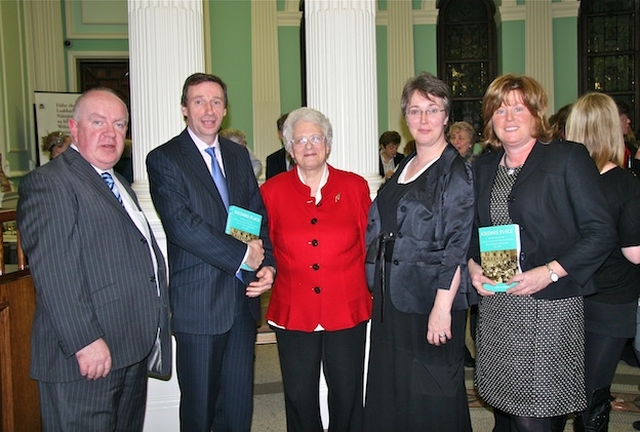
x: 264, y: 281
x: 256, y: 254
x: 94, y: 360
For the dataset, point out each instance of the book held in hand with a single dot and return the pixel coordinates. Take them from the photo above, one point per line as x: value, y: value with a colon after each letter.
x: 499, y: 253
x: 243, y: 225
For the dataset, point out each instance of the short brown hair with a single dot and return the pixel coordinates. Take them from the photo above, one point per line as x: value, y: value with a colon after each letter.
x: 199, y: 78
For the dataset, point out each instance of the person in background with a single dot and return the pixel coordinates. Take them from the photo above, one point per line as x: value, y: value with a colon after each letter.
x: 102, y: 313
x: 409, y: 147
x: 55, y: 143
x: 463, y: 136
x: 417, y: 240
x: 279, y: 161
x: 610, y: 314
x: 389, y: 157
x: 631, y: 145
x: 193, y: 180
x: 530, y: 339
x: 124, y: 167
x: 320, y: 303
x: 239, y: 137
x: 558, y: 122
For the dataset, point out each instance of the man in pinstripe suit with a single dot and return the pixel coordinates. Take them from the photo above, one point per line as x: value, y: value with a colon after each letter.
x: 215, y: 305
x: 102, y: 300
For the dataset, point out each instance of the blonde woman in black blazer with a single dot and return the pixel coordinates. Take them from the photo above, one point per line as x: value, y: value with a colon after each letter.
x: 530, y: 340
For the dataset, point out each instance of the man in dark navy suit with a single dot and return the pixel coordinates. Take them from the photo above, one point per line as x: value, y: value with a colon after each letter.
x: 215, y: 304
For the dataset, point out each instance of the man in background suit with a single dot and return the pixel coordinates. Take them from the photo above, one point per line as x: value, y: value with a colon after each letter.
x: 280, y: 160
x: 102, y: 300
x: 215, y: 305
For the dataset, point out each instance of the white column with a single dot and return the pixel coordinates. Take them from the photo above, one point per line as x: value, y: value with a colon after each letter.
x: 166, y: 45
x: 265, y: 77
x: 46, y: 45
x: 342, y: 80
x: 539, y: 46
x: 400, y: 66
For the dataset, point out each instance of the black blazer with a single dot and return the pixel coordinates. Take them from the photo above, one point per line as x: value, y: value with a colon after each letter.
x: 276, y: 163
x: 558, y: 202
x: 202, y: 258
x: 434, y: 229
x: 396, y: 159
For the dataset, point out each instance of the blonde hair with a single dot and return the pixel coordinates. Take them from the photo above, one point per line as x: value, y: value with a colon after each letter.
x: 594, y: 122
x: 533, y: 97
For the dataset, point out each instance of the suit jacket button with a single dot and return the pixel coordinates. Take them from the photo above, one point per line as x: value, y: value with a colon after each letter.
x: 152, y: 279
x: 314, y: 221
x: 395, y: 262
x: 143, y: 240
x: 315, y: 266
x: 314, y: 242
x: 317, y: 290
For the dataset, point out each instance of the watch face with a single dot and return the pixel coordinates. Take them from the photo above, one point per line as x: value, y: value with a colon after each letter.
x: 554, y: 277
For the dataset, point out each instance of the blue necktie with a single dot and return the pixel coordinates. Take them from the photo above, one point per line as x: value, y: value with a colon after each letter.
x: 112, y: 185
x: 221, y: 184
x: 218, y: 177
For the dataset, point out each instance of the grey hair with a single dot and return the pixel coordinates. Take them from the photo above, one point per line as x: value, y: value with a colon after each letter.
x: 309, y: 115
x: 235, y: 135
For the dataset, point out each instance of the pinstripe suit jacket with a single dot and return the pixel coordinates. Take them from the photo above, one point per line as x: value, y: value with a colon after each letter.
x: 202, y: 258
x: 92, y: 270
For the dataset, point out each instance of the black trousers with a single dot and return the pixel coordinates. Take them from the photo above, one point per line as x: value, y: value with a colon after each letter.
x: 342, y: 356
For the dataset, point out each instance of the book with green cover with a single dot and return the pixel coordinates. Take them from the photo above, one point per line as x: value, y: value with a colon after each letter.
x: 243, y: 225
x: 499, y: 255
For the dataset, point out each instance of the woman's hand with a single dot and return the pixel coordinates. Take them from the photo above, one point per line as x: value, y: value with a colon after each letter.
x: 531, y: 281
x: 439, y: 326
x: 478, y: 278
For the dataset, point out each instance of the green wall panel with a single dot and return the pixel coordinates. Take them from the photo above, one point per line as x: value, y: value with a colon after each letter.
x: 231, y: 60
x: 511, y: 48
x: 99, y: 45
x: 565, y: 61
x: 425, y: 51
x: 383, y: 78
x: 290, y: 70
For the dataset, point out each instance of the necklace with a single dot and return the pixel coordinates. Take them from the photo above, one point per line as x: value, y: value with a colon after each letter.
x: 510, y: 170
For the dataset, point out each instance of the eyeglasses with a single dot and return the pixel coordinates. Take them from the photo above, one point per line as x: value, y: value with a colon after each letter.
x: 417, y: 113
x: 303, y: 140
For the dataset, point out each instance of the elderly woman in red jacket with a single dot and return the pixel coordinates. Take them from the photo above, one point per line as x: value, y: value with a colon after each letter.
x: 320, y: 302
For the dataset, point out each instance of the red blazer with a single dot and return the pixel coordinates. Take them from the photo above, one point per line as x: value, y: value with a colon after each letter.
x: 319, y: 251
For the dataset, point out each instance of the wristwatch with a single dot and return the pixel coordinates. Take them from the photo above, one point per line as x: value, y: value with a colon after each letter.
x: 554, y: 276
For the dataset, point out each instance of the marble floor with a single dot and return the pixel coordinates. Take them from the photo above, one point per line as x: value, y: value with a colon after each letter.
x: 269, y: 401
x: 269, y: 413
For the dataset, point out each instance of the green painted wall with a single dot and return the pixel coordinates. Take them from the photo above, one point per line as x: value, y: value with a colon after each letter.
x: 383, y: 78
x: 424, y: 47
x: 511, y: 47
x: 231, y: 59
x: 565, y: 60
x: 290, y: 70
